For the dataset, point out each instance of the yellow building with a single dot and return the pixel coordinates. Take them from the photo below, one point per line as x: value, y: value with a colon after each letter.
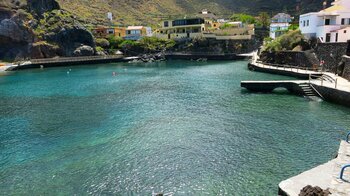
x: 119, y: 32
x: 181, y: 28
x: 137, y: 32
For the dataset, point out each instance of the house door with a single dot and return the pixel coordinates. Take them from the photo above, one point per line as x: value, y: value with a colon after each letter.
x: 336, y: 37
x: 328, y: 37
x: 188, y: 35
x: 168, y: 36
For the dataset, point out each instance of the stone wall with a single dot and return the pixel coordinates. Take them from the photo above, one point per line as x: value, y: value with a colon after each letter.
x: 331, y: 54
x: 334, y: 95
x: 344, y: 67
x: 294, y: 58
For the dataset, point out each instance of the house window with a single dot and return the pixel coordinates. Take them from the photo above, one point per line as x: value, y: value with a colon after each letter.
x: 345, y: 31
x: 307, y: 23
x: 327, y: 21
x: 304, y: 23
x: 343, y: 21
x: 166, y: 23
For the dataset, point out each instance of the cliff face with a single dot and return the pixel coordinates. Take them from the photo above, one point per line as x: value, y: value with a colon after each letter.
x: 39, y: 29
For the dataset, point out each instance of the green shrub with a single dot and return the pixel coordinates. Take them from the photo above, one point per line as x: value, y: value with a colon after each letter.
x: 115, y: 42
x: 99, y: 49
x: 286, y: 41
x: 101, y: 42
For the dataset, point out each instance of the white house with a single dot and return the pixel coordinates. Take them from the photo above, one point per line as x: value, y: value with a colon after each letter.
x: 328, y: 25
x: 279, y: 24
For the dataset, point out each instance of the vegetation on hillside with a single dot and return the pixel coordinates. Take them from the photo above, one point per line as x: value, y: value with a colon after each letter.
x: 150, y: 12
x: 288, y: 41
x: 144, y: 45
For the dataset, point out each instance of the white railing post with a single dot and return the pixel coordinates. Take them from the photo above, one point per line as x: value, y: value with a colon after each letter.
x: 336, y: 81
x: 309, y: 78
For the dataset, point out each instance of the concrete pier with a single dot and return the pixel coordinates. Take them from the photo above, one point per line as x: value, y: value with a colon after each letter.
x: 328, y: 86
x: 269, y: 86
x: 326, y: 176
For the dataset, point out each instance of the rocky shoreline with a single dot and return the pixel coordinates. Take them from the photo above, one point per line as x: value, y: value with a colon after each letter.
x: 41, y: 29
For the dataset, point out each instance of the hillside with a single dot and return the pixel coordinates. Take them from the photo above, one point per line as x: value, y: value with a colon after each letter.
x: 128, y: 12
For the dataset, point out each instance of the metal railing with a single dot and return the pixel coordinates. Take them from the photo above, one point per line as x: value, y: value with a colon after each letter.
x: 319, y: 94
x: 342, y: 171
x: 347, y: 137
x: 285, y: 67
x: 322, y: 78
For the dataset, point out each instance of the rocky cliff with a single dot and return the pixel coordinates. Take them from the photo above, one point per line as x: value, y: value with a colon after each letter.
x: 40, y: 29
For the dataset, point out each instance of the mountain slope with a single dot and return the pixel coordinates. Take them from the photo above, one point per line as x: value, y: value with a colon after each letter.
x: 152, y: 11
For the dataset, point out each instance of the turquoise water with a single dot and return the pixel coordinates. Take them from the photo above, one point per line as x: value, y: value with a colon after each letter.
x: 179, y: 126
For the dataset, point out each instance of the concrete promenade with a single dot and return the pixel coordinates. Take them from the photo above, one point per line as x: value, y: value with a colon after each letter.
x: 338, y: 83
x: 326, y: 176
x: 67, y: 61
x: 331, y: 87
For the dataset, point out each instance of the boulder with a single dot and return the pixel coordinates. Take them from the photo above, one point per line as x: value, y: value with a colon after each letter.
x: 41, y: 6
x: 313, y: 191
x: 41, y: 50
x: 69, y: 38
x: 84, y: 51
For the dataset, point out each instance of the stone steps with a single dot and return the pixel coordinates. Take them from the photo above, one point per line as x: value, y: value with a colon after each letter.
x: 340, y: 187
x: 307, y: 90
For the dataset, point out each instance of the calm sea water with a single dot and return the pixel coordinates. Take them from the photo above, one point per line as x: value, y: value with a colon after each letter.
x: 179, y: 126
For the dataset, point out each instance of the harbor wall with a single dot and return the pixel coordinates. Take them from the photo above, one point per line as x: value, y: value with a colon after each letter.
x: 334, y: 95
x: 295, y: 58
x: 331, y: 54
x: 345, y: 67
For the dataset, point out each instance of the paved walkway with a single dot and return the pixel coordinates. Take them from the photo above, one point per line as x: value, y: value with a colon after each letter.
x: 325, y: 176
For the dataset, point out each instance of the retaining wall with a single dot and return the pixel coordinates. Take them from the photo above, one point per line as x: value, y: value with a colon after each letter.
x: 332, y: 54
x: 295, y: 58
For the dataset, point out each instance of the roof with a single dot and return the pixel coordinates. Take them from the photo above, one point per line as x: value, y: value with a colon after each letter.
x: 208, y: 15
x: 134, y: 28
x: 340, y: 29
x: 281, y: 15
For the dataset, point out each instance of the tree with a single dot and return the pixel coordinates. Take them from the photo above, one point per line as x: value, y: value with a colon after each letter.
x: 264, y: 19
x: 244, y: 18
x: 115, y: 42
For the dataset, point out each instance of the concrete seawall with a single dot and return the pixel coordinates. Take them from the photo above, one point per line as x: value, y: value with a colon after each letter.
x: 325, y: 176
x: 339, y: 95
x: 334, y: 95
x: 69, y: 61
x: 286, y: 71
x: 208, y: 56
